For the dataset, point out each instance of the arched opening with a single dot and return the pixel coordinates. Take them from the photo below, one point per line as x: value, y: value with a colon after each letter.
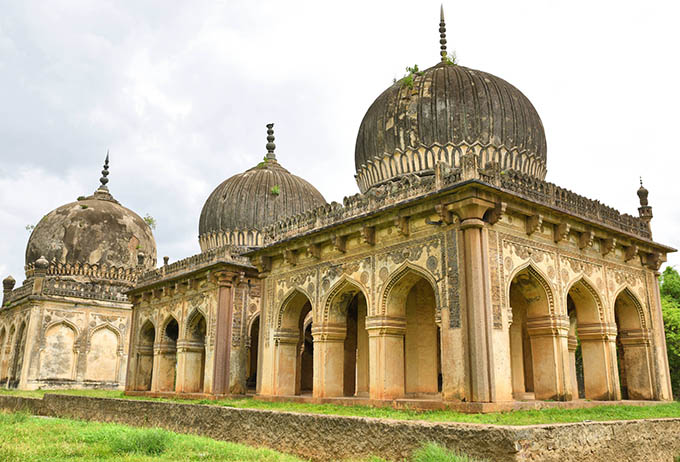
x: 596, y: 344
x: 632, y: 348
x: 18, y: 364
x: 342, y: 344
x: 167, y: 360
x: 3, y: 355
x: 144, y: 374
x: 194, y: 354
x: 293, y: 346
x: 102, y: 358
x: 412, y: 299
x: 254, y: 346
x: 535, y: 346
x: 306, y: 358
x: 8, y: 354
x: 57, y: 360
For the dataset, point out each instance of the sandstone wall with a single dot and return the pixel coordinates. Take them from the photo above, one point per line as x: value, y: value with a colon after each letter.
x: 321, y: 437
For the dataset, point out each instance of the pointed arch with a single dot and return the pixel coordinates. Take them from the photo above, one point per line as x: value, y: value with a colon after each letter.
x: 635, y: 303
x: 146, y: 338
x: 293, y: 301
x: 58, y: 355
x: 402, y: 279
x: 105, y: 345
x: 538, y: 276
x: 410, y: 299
x: 583, y: 290
x: 191, y: 320
x: 345, y: 288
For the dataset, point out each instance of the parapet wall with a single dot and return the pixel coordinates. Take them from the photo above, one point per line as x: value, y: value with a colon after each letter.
x: 324, y: 437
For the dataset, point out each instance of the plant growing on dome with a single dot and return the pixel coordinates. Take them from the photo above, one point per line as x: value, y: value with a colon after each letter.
x: 30, y: 227
x: 407, y: 80
x: 276, y: 190
x: 149, y: 220
x: 451, y: 59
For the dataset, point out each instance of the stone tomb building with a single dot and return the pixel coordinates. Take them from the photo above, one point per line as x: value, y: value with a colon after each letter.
x: 457, y: 275
x: 68, y: 324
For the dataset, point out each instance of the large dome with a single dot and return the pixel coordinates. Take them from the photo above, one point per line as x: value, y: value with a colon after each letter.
x: 241, y: 207
x: 444, y: 112
x: 94, y: 230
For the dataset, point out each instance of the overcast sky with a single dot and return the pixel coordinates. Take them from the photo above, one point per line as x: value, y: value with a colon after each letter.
x: 180, y: 93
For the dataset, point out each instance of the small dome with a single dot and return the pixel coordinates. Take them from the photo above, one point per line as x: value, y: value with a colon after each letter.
x: 94, y: 230
x: 240, y: 208
x: 444, y: 112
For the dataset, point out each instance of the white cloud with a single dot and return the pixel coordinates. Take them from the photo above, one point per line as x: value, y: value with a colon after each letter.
x: 181, y: 94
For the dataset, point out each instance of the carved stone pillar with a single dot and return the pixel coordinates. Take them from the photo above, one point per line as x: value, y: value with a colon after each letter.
x: 224, y: 320
x: 329, y: 359
x: 477, y: 297
x: 386, y: 351
x: 637, y: 363
x: 600, y: 371
x: 286, y: 362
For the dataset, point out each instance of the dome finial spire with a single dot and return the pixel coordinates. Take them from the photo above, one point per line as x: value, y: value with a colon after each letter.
x: 103, y: 180
x: 442, y: 34
x: 270, y: 142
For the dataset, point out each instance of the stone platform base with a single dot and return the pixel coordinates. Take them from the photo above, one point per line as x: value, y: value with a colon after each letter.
x: 334, y: 438
x: 424, y: 404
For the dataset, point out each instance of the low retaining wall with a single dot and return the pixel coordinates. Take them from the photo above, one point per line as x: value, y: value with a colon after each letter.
x: 325, y: 437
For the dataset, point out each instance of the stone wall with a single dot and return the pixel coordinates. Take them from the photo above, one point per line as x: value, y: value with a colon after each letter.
x: 323, y: 437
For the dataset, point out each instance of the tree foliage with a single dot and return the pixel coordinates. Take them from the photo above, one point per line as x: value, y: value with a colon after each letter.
x: 670, y: 305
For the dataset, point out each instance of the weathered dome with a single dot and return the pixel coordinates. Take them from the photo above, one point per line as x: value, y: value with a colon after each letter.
x: 444, y: 112
x: 241, y: 207
x: 94, y: 230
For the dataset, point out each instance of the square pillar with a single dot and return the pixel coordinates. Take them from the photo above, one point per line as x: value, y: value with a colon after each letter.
x: 329, y: 360
x: 286, y: 362
x: 600, y: 371
x: 386, y: 351
x: 549, y: 355
x: 637, y: 352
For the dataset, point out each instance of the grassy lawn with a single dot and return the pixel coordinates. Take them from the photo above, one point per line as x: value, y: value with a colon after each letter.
x: 528, y: 417
x: 27, y: 438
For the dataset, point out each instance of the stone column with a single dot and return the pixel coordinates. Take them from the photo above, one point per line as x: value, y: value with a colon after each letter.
x: 572, y: 345
x: 329, y: 360
x: 548, y: 337
x: 637, y: 354
x: 285, y: 368
x: 386, y: 351
x: 190, y: 366
x: 222, y: 340
x: 477, y: 297
x: 600, y: 371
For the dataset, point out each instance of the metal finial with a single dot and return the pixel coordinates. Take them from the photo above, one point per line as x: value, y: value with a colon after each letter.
x: 103, y: 180
x: 270, y: 142
x: 640, y: 181
x: 442, y: 34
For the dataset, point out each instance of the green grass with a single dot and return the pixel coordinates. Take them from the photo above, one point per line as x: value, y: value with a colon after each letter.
x: 431, y: 452
x: 527, y: 417
x: 26, y: 438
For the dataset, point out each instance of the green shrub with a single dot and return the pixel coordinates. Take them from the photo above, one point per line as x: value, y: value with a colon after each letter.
x: 432, y: 452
